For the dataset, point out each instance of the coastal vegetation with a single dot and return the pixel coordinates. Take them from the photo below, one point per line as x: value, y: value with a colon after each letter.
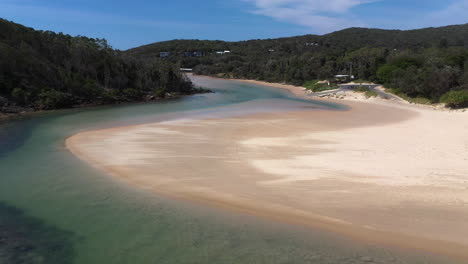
x: 367, y: 92
x: 425, y: 64
x: 317, y: 86
x: 456, y: 99
x: 415, y: 100
x: 48, y: 70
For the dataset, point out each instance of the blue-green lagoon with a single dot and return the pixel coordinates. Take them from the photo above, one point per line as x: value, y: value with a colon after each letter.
x: 54, y: 208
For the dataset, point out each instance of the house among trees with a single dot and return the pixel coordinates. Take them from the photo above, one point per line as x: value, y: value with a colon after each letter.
x: 344, y: 78
x: 198, y: 53
x: 416, y: 63
x: 164, y: 54
x: 223, y: 52
x: 194, y: 54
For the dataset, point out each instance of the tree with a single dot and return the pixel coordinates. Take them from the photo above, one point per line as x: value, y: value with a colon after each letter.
x: 420, y: 63
x: 45, y: 70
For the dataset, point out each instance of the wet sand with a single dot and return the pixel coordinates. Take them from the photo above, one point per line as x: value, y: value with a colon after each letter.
x: 388, y: 174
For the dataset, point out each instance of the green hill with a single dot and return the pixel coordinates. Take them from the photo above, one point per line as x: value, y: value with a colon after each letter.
x: 47, y: 70
x: 425, y: 63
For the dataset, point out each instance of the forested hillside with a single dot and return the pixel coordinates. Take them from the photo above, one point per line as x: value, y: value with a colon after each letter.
x: 46, y: 70
x: 426, y: 63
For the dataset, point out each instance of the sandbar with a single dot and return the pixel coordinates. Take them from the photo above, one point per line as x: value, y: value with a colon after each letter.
x: 382, y: 173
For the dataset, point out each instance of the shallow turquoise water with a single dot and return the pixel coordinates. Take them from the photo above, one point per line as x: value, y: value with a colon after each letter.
x: 67, y: 212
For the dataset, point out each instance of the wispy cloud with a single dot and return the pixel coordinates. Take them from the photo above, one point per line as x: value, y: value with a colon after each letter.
x: 321, y: 16
x: 454, y: 13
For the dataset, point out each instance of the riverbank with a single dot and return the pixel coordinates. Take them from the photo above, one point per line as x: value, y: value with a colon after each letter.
x: 382, y: 174
x: 25, y: 112
x: 348, y: 95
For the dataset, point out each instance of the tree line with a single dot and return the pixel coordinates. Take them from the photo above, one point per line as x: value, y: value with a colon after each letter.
x: 429, y: 63
x: 48, y: 70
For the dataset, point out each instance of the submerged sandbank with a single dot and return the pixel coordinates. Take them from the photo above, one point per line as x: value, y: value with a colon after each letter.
x: 378, y: 173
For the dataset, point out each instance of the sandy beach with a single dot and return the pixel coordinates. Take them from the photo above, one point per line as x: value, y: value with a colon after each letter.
x: 385, y: 173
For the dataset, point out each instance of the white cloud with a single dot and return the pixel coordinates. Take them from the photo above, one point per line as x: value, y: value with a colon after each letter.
x: 455, y: 13
x: 322, y: 16
x: 452, y: 13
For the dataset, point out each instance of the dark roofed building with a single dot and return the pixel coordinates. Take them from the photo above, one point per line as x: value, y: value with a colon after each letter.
x: 164, y: 54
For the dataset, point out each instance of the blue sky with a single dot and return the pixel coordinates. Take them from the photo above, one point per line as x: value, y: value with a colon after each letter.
x: 129, y: 24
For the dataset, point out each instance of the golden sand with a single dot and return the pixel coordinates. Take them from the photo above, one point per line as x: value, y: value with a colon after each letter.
x: 382, y: 173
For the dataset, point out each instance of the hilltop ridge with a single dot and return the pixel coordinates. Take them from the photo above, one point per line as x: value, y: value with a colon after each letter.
x: 427, y: 65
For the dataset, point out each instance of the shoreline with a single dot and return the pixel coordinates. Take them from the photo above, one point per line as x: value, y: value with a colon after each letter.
x: 265, y: 155
x: 348, y: 96
x: 27, y: 113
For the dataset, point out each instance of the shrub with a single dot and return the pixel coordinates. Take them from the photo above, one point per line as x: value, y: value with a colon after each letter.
x: 315, y: 86
x: 132, y: 94
x: 50, y: 99
x: 367, y: 92
x: 20, y: 95
x: 362, y: 89
x: 371, y: 94
x: 309, y: 85
x: 455, y: 99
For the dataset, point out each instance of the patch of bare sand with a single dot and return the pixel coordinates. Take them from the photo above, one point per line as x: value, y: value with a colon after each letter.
x: 388, y: 175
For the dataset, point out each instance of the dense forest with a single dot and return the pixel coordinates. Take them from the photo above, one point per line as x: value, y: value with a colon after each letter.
x: 46, y: 70
x: 429, y: 63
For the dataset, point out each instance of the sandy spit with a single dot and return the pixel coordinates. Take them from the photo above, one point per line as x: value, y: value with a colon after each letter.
x: 382, y: 173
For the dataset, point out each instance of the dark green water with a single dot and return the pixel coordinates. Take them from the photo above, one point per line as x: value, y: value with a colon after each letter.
x: 56, y: 209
